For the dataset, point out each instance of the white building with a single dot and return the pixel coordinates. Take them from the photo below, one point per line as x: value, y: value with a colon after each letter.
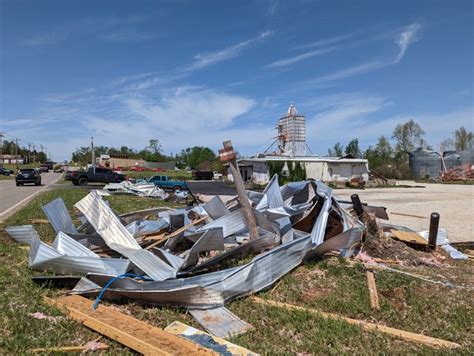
x: 327, y: 169
x: 292, y: 148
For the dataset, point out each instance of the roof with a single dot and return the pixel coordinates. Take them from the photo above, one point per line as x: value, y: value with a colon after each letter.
x: 305, y: 159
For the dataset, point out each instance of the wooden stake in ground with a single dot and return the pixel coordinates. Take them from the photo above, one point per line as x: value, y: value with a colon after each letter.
x: 405, y: 335
x: 131, y: 332
x: 228, y: 155
x: 374, y: 297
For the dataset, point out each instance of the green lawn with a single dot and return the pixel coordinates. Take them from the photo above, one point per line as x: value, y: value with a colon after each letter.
x: 332, y: 285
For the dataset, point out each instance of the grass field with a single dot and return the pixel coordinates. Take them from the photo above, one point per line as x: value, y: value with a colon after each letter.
x: 332, y: 285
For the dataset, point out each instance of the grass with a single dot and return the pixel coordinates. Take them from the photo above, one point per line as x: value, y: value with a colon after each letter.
x: 332, y: 285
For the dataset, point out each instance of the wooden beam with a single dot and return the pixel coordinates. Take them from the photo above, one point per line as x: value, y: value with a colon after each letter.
x: 409, y: 237
x: 374, y: 297
x: 228, y: 155
x: 175, y: 233
x: 405, y: 335
x: 131, y: 332
x: 82, y: 348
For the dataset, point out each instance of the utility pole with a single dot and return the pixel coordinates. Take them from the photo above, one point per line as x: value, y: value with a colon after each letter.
x: 93, y: 154
x: 228, y: 155
x: 29, y: 153
x: 1, y: 146
x: 34, y: 153
x: 16, y: 151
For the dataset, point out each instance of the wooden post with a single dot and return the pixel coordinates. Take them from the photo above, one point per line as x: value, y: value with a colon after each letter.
x: 357, y: 205
x: 374, y: 297
x: 433, y: 235
x: 228, y: 155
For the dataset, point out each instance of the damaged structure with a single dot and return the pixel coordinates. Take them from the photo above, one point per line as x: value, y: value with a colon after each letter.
x: 292, y: 149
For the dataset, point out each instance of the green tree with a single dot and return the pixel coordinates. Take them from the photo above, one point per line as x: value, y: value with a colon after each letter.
x: 409, y: 136
x: 353, y: 149
x: 195, y: 156
x: 336, y: 151
x: 463, y: 140
x: 41, y: 157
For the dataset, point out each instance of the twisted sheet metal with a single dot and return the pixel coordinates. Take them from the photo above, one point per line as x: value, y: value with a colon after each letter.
x: 216, y: 208
x: 68, y: 256
x: 59, y: 217
x: 22, y: 233
x: 117, y: 237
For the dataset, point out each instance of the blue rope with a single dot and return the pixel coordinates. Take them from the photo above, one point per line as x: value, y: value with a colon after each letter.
x: 112, y: 280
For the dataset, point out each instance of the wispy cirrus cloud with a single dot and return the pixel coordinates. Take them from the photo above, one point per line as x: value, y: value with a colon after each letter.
x: 404, y: 39
x: 301, y: 57
x: 326, y: 41
x: 208, y: 58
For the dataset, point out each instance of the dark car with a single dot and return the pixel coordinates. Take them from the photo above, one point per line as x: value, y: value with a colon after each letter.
x: 29, y: 175
x: 6, y: 172
x: 95, y: 175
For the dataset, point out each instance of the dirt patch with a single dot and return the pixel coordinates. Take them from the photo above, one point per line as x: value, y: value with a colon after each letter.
x: 396, y: 297
x: 311, y: 294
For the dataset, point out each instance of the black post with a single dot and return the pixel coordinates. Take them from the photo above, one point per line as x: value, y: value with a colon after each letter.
x: 434, y: 223
x: 356, y: 203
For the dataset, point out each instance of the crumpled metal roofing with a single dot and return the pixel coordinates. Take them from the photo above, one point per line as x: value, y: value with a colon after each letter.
x: 213, y: 289
x: 22, y: 233
x: 117, y: 237
x: 59, y: 217
x: 68, y: 256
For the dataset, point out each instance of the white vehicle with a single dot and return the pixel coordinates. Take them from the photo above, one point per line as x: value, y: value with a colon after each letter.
x: 217, y: 176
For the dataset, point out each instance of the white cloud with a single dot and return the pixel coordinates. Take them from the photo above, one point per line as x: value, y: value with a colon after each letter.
x: 407, y: 36
x: 301, y: 57
x: 326, y: 41
x: 208, y: 58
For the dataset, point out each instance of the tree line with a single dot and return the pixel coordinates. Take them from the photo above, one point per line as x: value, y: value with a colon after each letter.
x: 391, y: 159
x: 196, y: 157
x: 30, y: 156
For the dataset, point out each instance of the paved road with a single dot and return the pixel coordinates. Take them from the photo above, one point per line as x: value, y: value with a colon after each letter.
x: 12, y: 197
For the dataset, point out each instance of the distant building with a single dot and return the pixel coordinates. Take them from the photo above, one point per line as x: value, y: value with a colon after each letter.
x: 292, y: 147
x: 116, y: 161
x: 12, y: 159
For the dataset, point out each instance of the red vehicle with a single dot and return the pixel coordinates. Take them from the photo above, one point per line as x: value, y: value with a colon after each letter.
x: 137, y: 169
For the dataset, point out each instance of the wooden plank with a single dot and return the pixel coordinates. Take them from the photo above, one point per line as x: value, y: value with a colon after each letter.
x: 180, y: 329
x: 374, y: 297
x: 409, y: 237
x: 131, y: 332
x: 83, y: 348
x: 162, y: 238
x: 405, y: 335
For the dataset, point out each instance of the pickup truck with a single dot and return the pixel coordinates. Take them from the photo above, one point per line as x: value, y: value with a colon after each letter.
x: 164, y: 182
x: 101, y: 175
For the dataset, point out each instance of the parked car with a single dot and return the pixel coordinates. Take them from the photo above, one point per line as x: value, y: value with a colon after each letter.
x: 217, y: 176
x: 203, y: 175
x: 164, y: 182
x: 5, y: 171
x: 28, y: 175
x: 44, y: 168
x: 100, y: 175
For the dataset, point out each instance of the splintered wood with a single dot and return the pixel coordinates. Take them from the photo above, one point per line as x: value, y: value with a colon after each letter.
x: 405, y: 335
x: 131, y: 332
x: 409, y: 237
x: 374, y: 297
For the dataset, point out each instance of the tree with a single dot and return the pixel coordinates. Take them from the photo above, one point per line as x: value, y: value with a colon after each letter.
x: 42, y: 157
x: 195, y: 156
x: 154, y: 145
x: 336, y: 151
x: 409, y: 136
x: 353, y: 148
x: 463, y: 140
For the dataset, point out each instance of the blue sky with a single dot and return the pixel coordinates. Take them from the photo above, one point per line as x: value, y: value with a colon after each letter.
x: 200, y: 72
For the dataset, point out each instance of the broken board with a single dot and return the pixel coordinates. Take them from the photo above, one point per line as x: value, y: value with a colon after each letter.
x: 210, y: 341
x: 131, y: 332
x: 220, y: 322
x: 409, y: 237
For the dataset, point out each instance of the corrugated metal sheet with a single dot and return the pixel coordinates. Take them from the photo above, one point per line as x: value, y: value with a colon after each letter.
x: 59, y: 217
x: 117, y: 237
x: 22, y: 233
x: 67, y: 256
x: 230, y: 223
x: 215, y: 208
x: 220, y: 322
